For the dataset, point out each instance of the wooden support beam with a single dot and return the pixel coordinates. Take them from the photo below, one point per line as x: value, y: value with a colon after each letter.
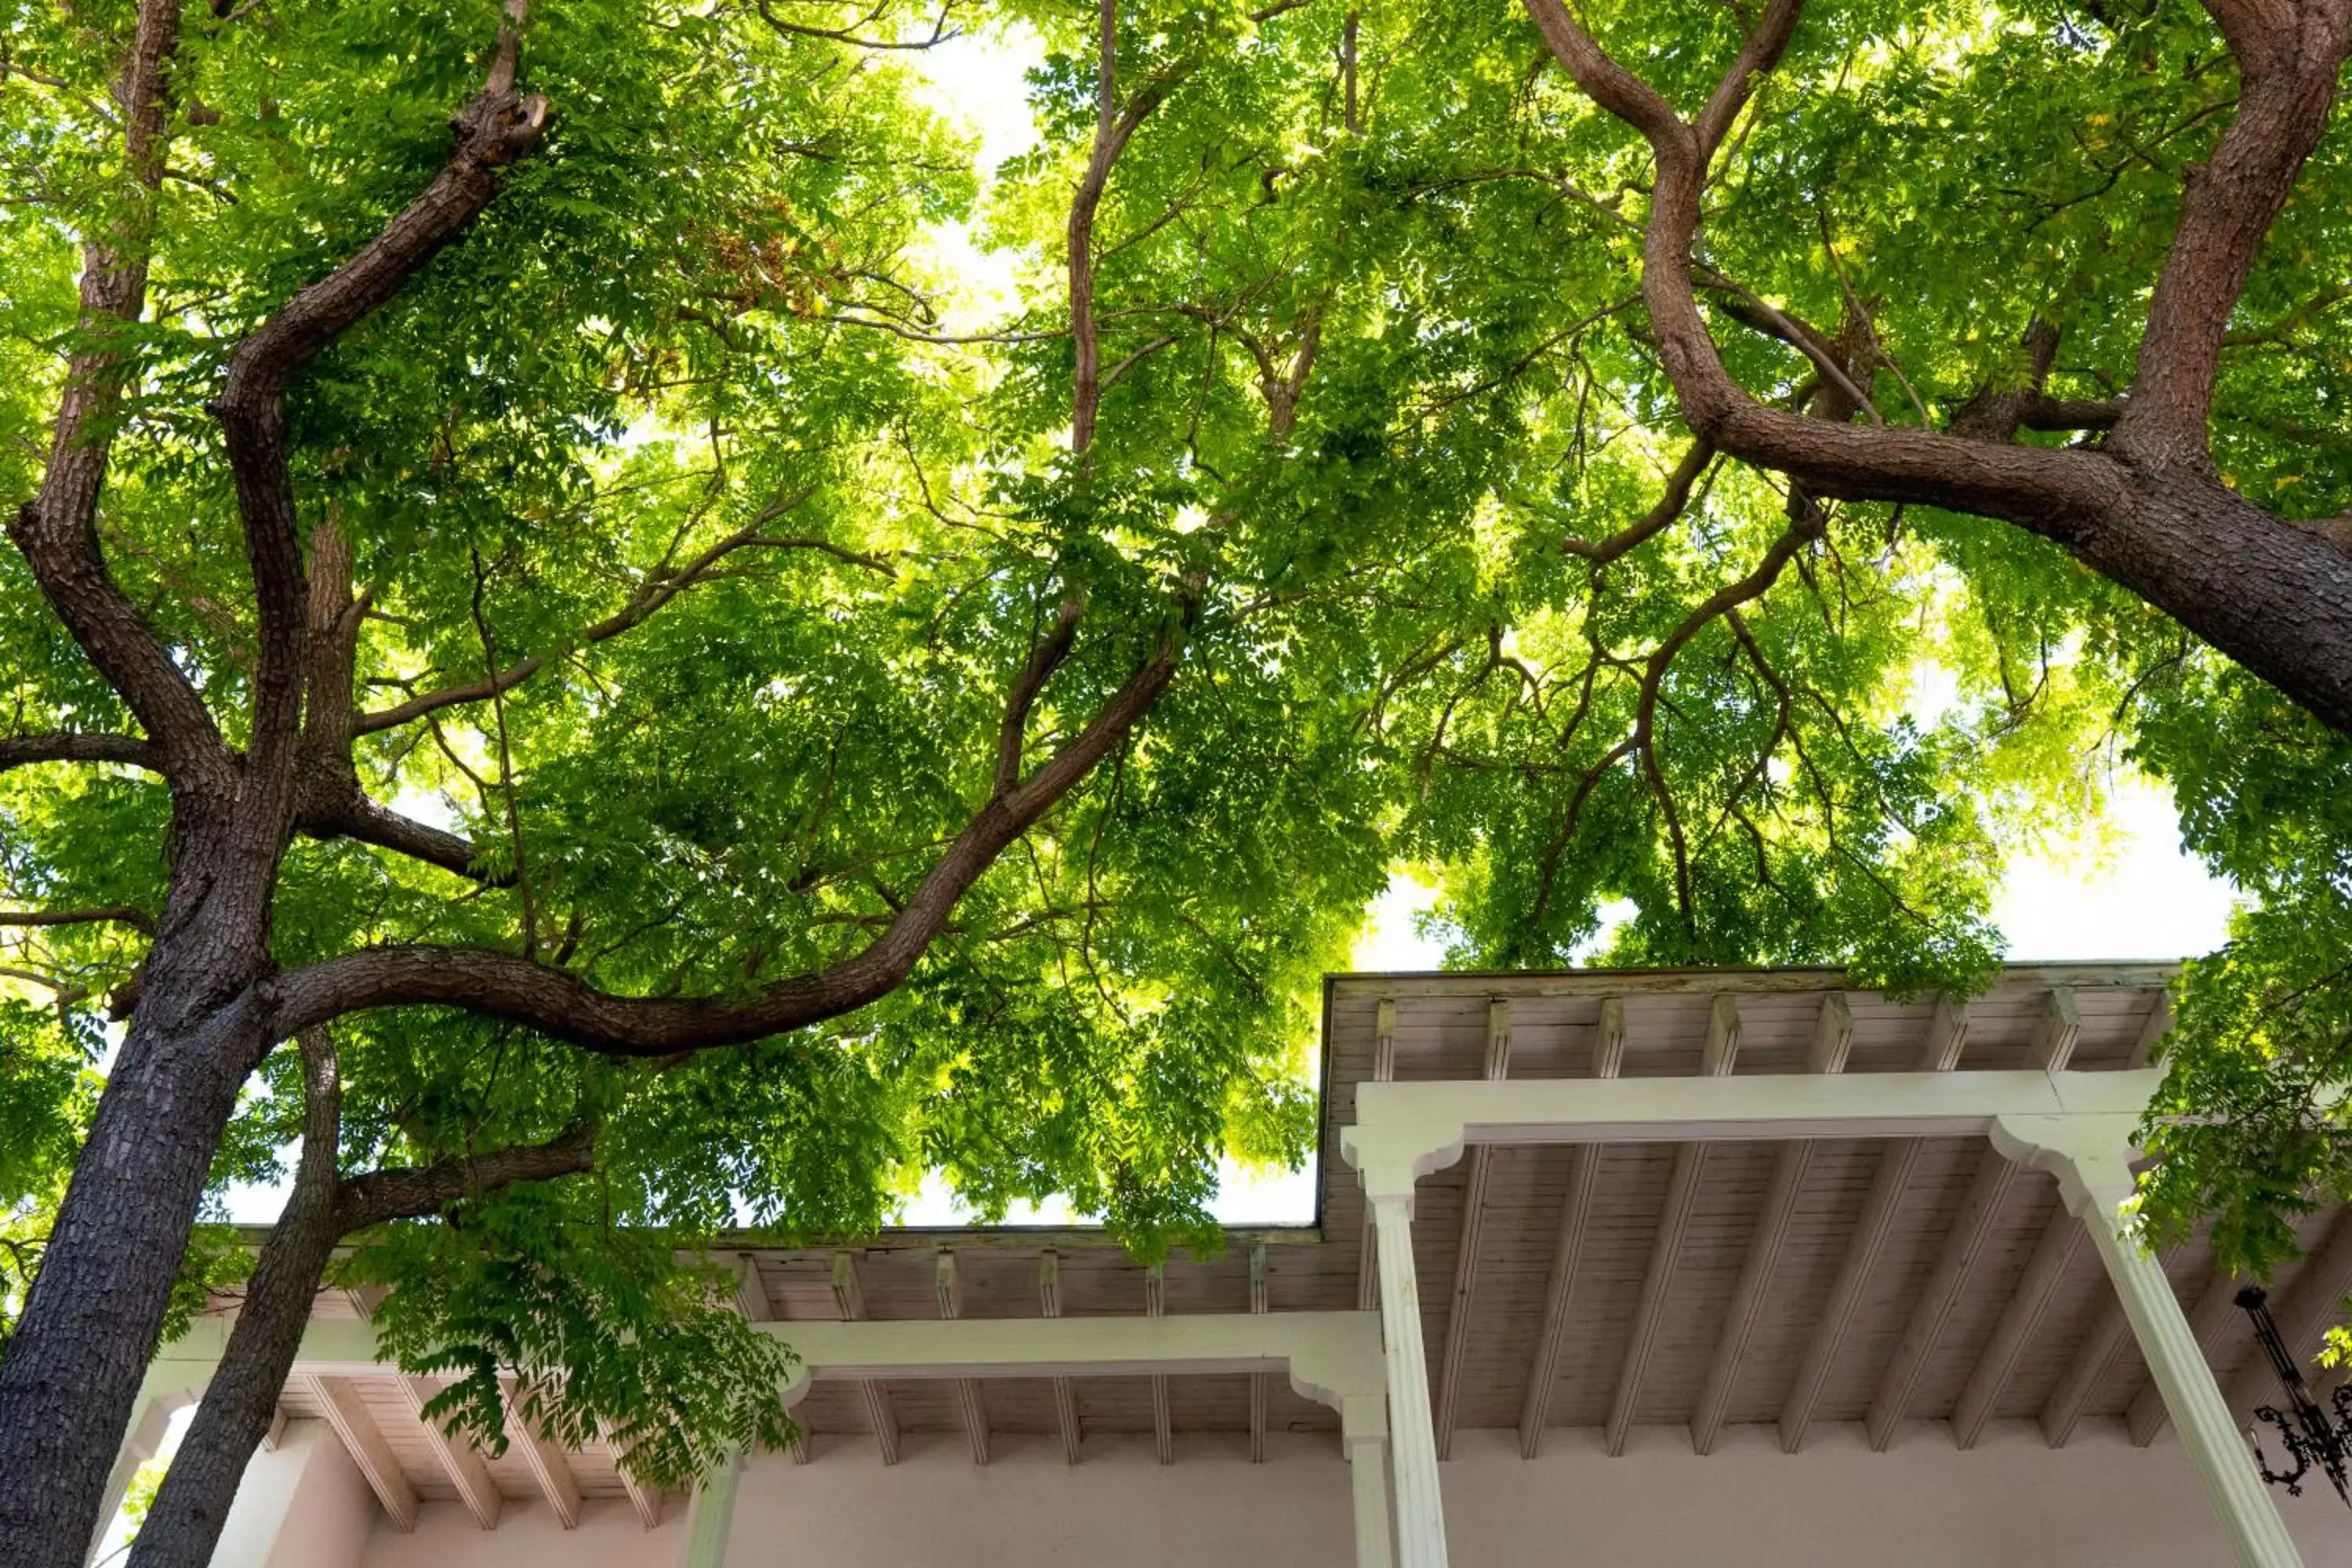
x: 1716, y: 1058
x: 1832, y: 1043
x: 456, y: 1455
x: 1258, y: 1384
x: 849, y: 1298
x: 2062, y: 1237
x: 277, y: 1433
x: 1066, y: 1398
x: 1963, y: 1246
x: 646, y: 1499
x: 339, y: 1401
x: 1948, y: 1037
x: 2055, y: 1036
x: 543, y: 1460
x: 1466, y: 1257
x: 969, y: 1400
x: 1583, y: 1173
x: 1155, y: 1305
x: 1367, y: 1282
x: 2101, y: 1348
x: 751, y: 1295
x: 2212, y: 1321
x: 2152, y: 1033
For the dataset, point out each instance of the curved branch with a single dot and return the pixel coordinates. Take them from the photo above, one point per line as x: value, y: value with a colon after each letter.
x: 1679, y: 485
x: 414, y: 1192
x: 501, y: 985
x: 103, y: 914
x: 651, y: 596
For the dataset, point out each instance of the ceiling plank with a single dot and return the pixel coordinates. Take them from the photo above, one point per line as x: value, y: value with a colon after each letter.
x: 339, y: 1403
x: 970, y: 1402
x: 1947, y: 1034
x: 1367, y: 1276
x: 543, y: 1460
x: 849, y: 1300
x: 1583, y: 1173
x: 1473, y: 1228
x: 456, y: 1455
x: 2152, y: 1033
x: 1716, y: 1060
x: 1258, y: 1384
x: 1155, y: 1305
x: 1066, y: 1398
x: 2061, y: 1239
x: 1832, y: 1043
x: 1964, y: 1243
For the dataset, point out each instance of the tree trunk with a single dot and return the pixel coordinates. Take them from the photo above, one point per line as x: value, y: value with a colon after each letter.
x: 183, y: 1525
x: 71, y: 1376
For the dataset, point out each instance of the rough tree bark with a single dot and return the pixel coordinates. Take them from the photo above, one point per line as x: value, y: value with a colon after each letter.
x: 2144, y: 508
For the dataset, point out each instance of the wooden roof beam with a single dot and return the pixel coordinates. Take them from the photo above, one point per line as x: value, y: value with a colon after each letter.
x: 969, y: 1400
x: 543, y: 1460
x: 646, y: 1499
x: 1259, y: 1387
x: 1832, y: 1043
x: 2304, y: 1316
x: 753, y: 1305
x: 1716, y: 1060
x: 456, y: 1455
x: 1066, y: 1398
x: 1465, y: 1259
x: 2057, y: 1033
x: 1583, y: 1172
x: 849, y: 1299
x: 1155, y: 1305
x: 1367, y: 1277
x: 2063, y: 1237
x: 1964, y: 1243
x: 362, y: 1439
x: 1947, y: 1034
x: 2102, y: 1349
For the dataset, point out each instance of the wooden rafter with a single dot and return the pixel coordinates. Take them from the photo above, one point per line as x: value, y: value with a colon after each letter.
x: 970, y: 1402
x: 1066, y: 1398
x: 456, y: 1455
x: 849, y: 1298
x: 646, y: 1501
x: 2062, y: 1238
x: 1948, y: 1034
x: 1465, y: 1260
x: 2308, y: 1310
x: 1583, y: 1173
x: 1367, y: 1279
x: 1716, y: 1060
x: 1832, y: 1043
x: 2102, y: 1349
x: 362, y: 1439
x: 1964, y: 1243
x: 1155, y: 1305
x: 753, y: 1305
x: 1259, y: 1385
x: 543, y: 1460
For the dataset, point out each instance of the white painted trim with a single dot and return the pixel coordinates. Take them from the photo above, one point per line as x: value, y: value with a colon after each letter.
x: 456, y: 1455
x: 364, y: 1441
x: 710, y: 1514
x: 1413, y: 1450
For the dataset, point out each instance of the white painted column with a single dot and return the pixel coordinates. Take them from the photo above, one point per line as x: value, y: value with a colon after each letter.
x: 166, y: 1392
x: 710, y: 1514
x: 1367, y: 1476
x: 2090, y: 1155
x: 1420, y: 1510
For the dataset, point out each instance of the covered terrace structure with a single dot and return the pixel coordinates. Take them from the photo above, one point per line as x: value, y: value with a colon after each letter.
x: 1670, y: 1269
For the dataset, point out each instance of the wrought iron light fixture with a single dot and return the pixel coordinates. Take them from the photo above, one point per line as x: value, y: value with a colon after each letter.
x: 2312, y: 1434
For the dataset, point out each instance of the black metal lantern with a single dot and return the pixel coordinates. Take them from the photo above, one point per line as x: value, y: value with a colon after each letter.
x: 2310, y: 1433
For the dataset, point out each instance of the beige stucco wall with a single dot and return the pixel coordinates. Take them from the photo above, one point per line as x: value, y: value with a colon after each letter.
x: 2010, y: 1503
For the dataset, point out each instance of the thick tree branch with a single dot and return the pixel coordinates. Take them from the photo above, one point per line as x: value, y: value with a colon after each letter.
x: 414, y: 1192
x: 57, y: 530
x: 1047, y: 657
x: 25, y: 751
x: 492, y: 131
x: 2289, y: 53
x: 1659, y: 518
x: 501, y: 985
x: 102, y: 914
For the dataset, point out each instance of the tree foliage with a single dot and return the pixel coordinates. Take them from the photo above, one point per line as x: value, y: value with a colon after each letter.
x: 693, y: 715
